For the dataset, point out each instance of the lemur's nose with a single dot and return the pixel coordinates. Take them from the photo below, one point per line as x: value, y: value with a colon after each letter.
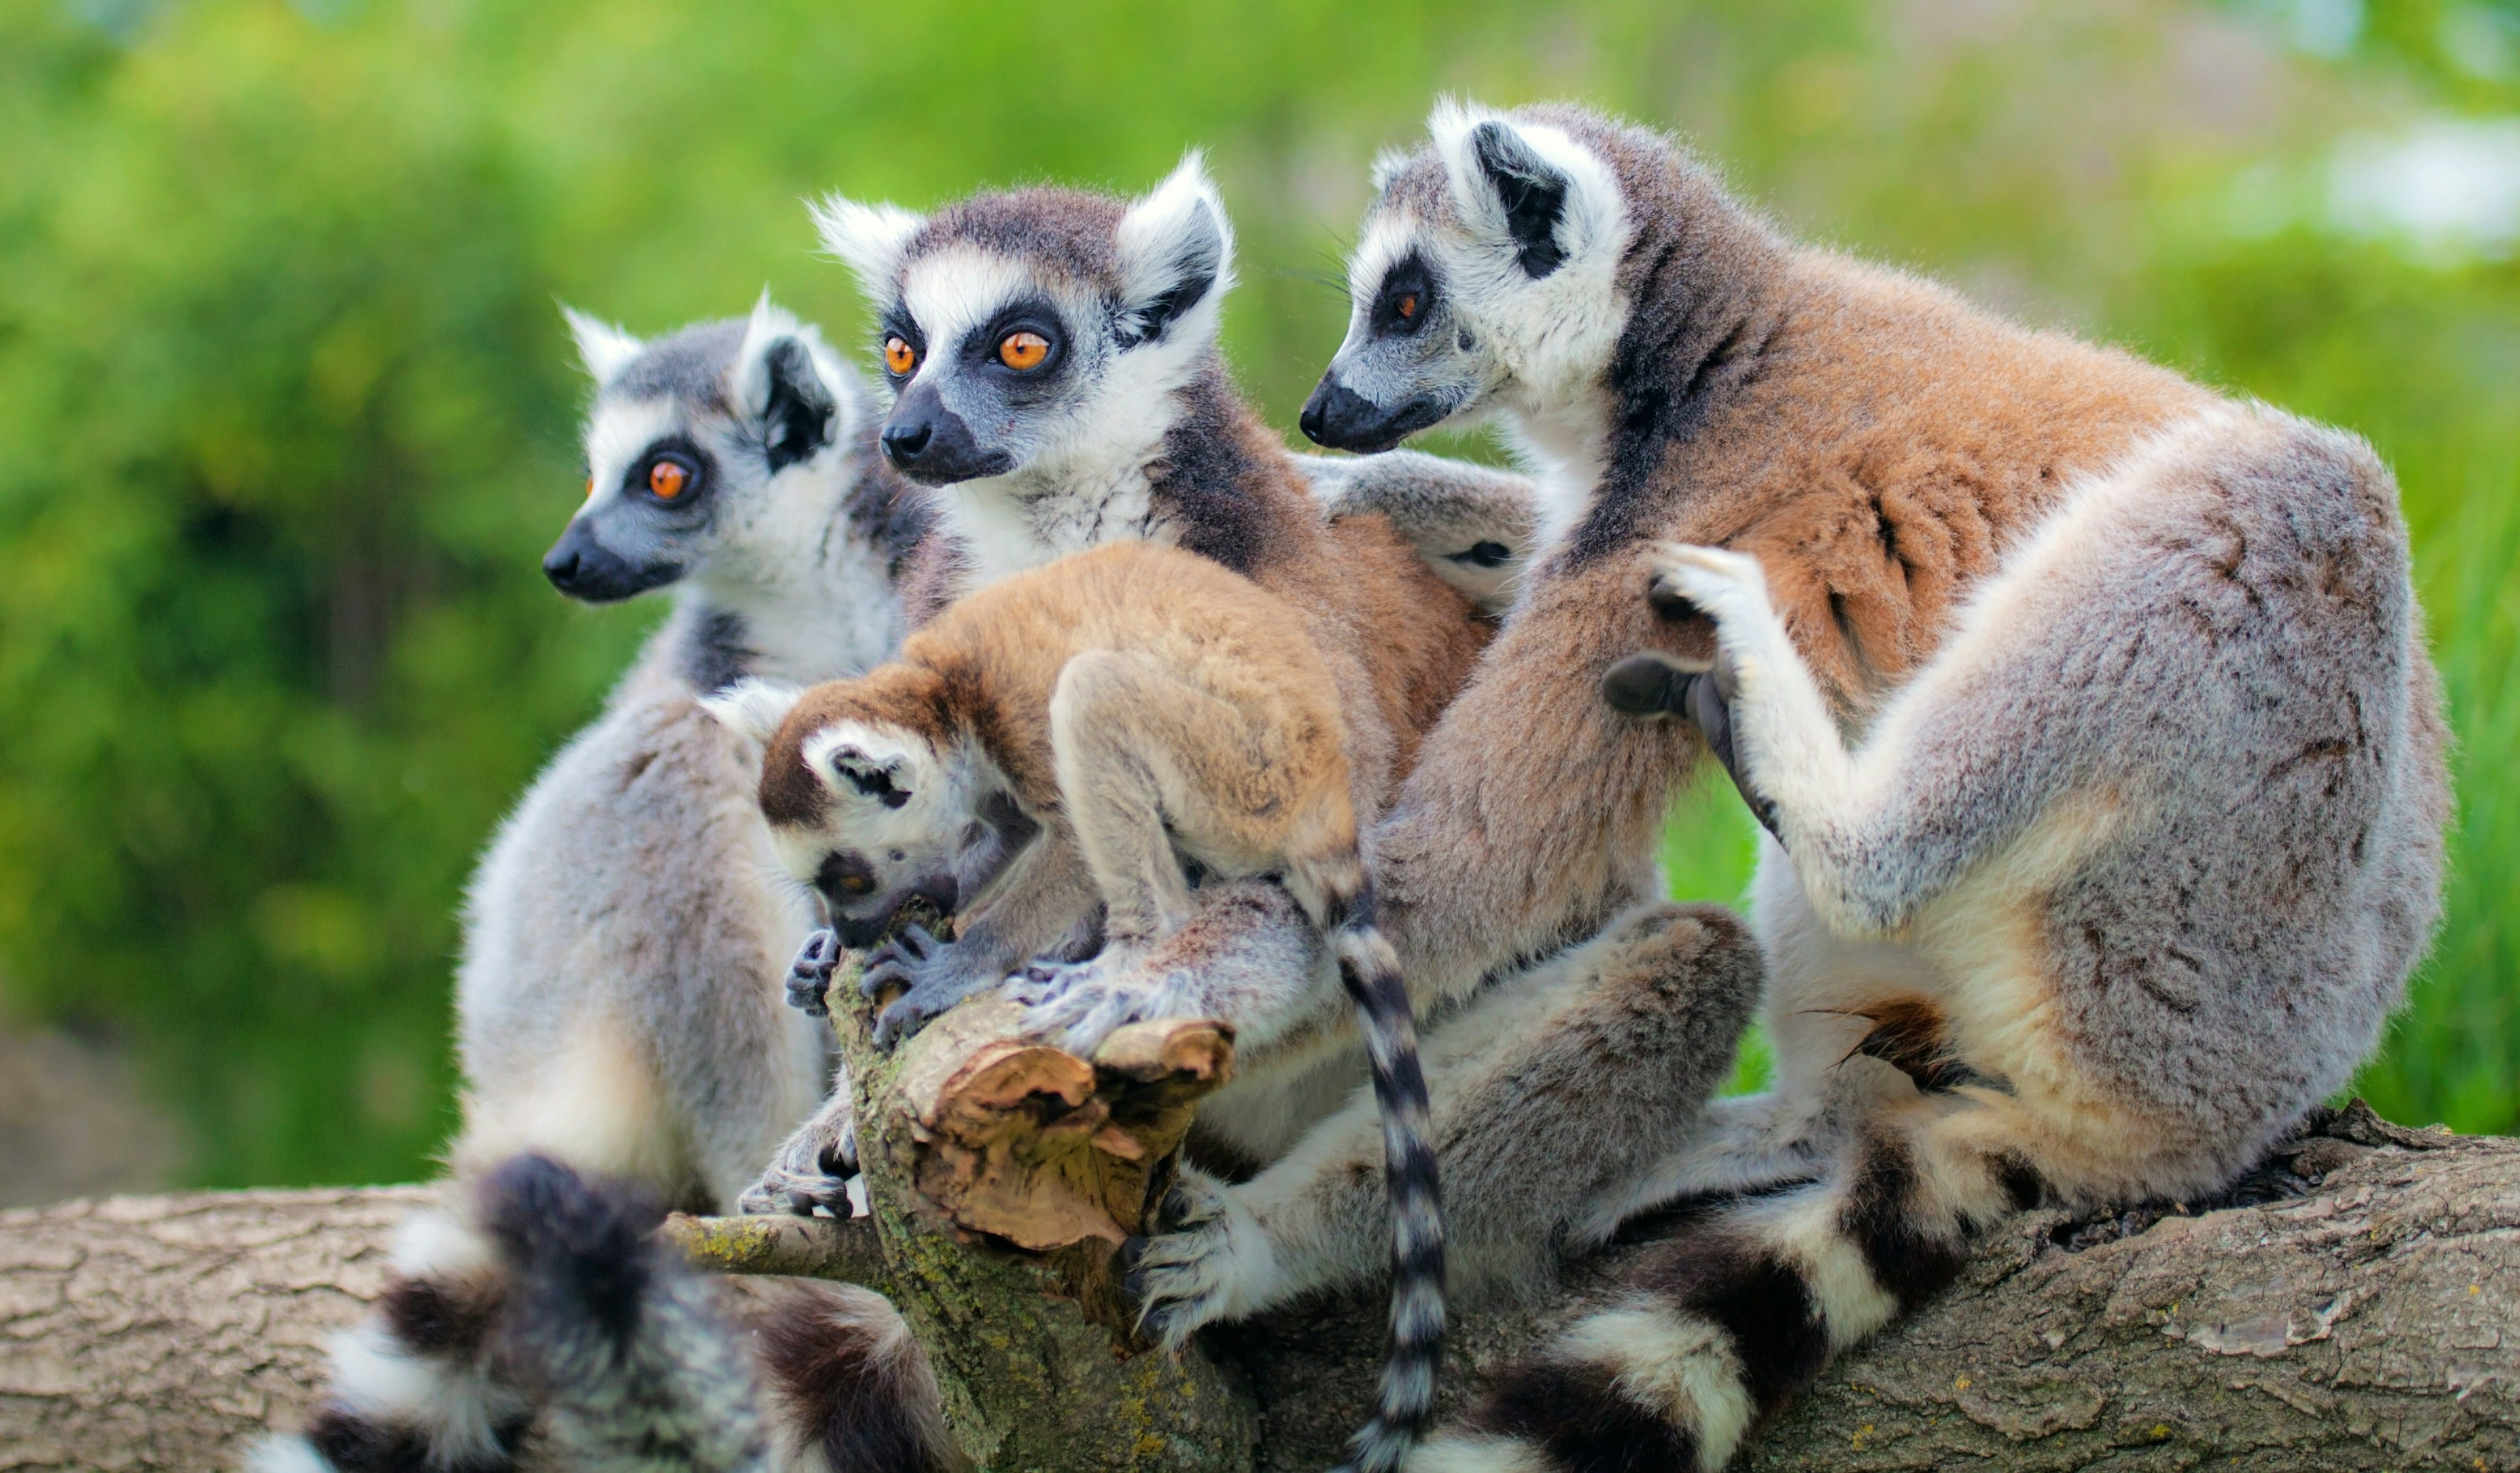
x: 903, y: 443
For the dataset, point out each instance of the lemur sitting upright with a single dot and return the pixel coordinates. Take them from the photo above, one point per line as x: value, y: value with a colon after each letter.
x: 2134, y: 842
x: 619, y: 999
x: 1125, y: 712
x: 1053, y: 354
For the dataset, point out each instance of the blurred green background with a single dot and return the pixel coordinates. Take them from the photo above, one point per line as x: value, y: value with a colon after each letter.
x: 287, y: 412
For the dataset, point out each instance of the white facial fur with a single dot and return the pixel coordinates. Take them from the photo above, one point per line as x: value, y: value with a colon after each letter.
x: 1077, y: 450
x: 1539, y: 347
x: 760, y: 542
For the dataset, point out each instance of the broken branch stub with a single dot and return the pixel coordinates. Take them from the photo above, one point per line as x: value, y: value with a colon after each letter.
x: 1023, y: 1141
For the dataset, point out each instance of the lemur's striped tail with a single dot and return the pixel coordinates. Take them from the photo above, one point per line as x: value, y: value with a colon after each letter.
x: 639, y: 1366
x: 419, y: 1383
x: 1718, y: 1328
x: 1370, y: 970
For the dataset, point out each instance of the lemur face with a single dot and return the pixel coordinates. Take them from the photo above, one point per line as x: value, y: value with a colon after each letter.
x: 1487, y: 274
x: 700, y: 443
x: 871, y: 815
x: 1036, y: 329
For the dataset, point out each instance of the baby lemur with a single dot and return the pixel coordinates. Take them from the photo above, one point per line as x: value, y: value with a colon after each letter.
x: 2087, y: 711
x: 1130, y: 712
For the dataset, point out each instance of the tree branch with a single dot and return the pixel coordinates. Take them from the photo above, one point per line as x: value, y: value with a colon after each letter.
x: 2370, y: 1323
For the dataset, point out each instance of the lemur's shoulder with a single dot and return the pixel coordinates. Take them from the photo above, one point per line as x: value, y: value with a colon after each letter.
x: 1894, y: 443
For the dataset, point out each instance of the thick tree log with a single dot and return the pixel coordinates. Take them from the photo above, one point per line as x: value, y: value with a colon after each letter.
x: 2371, y: 1323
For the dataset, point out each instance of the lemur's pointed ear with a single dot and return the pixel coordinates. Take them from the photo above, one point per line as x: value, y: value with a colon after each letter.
x: 868, y: 237
x: 602, y: 347
x: 1176, y: 255
x: 779, y: 384
x: 1502, y: 182
x: 752, y: 708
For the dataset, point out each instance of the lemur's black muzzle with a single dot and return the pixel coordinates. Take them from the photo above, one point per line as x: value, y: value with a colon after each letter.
x: 1342, y: 418
x: 584, y: 568
x: 932, y: 446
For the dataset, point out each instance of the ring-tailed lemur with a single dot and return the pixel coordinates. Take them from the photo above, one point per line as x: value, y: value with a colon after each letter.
x: 2146, y: 750
x: 1052, y: 356
x: 1131, y: 712
x: 619, y: 1003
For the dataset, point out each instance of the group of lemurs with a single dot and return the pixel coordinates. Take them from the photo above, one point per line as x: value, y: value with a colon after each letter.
x: 2084, y: 709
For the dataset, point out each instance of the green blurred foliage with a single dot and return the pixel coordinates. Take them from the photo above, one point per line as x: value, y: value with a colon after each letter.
x: 286, y: 414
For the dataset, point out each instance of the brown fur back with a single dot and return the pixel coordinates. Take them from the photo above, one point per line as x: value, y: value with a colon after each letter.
x: 1400, y: 640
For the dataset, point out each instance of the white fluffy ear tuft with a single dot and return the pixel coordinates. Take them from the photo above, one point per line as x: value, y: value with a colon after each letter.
x: 868, y: 237
x: 1529, y: 187
x: 768, y: 325
x: 752, y: 708
x: 603, y: 348
x: 1175, y: 252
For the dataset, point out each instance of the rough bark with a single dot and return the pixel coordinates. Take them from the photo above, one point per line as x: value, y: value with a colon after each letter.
x: 166, y: 1333
x: 2372, y: 1323
x: 974, y: 1143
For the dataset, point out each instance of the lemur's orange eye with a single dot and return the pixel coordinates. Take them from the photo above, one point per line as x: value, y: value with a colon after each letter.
x: 590, y: 488
x: 1022, y: 350
x: 899, y: 357
x: 1407, y: 306
x: 856, y: 884
x: 669, y: 479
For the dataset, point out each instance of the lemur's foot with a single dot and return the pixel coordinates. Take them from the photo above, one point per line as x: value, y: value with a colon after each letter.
x: 934, y: 974
x: 809, y: 976
x: 1730, y: 588
x: 812, y: 1170
x: 1077, y: 1005
x: 1212, y: 1261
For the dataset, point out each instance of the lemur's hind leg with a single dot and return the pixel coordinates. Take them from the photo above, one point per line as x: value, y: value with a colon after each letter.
x: 1721, y: 1325
x: 1550, y: 1093
x: 1146, y: 760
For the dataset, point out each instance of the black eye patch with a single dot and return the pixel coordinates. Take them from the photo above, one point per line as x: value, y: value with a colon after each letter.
x: 982, y: 350
x: 1407, y: 299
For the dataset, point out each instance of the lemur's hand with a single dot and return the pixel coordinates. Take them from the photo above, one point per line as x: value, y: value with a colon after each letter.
x: 809, y: 976
x: 812, y: 1170
x: 1077, y: 1005
x: 934, y: 974
x: 1213, y: 1261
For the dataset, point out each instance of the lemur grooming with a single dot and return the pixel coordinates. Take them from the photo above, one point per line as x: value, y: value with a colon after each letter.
x: 2087, y: 709
x: 1125, y: 712
x: 619, y: 999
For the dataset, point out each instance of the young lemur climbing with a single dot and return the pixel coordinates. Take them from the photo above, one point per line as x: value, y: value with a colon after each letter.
x: 1126, y: 713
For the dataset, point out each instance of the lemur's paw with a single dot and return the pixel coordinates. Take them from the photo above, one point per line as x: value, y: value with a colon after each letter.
x: 934, y: 976
x: 1727, y: 587
x: 809, y: 976
x: 1212, y: 1261
x: 1077, y: 1005
x: 1730, y: 588
x: 812, y: 1170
